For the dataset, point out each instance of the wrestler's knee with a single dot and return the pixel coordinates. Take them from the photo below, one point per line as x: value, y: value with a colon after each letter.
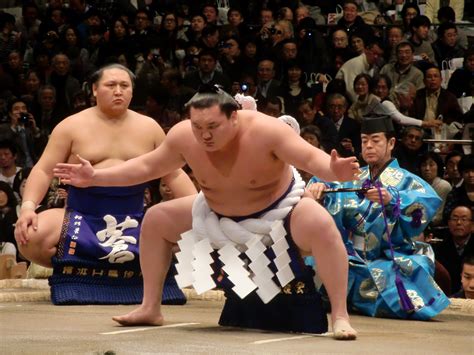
x: 42, y: 242
x: 311, y: 223
x: 37, y: 250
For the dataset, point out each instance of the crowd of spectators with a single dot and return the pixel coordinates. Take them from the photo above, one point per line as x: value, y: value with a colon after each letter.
x: 327, y: 63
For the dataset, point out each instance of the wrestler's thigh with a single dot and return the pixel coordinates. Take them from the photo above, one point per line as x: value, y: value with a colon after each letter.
x: 169, y: 219
x: 42, y: 242
x: 309, y: 220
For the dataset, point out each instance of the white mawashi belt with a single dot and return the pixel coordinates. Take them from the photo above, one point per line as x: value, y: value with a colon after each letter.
x: 251, y: 236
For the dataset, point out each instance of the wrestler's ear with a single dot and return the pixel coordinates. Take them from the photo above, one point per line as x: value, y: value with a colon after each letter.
x: 94, y: 90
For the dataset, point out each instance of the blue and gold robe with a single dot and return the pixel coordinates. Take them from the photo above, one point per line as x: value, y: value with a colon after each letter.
x: 374, y: 271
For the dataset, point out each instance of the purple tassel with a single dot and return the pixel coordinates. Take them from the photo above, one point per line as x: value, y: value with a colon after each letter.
x: 405, y: 301
x: 416, y: 215
x: 365, y: 185
x: 396, y: 209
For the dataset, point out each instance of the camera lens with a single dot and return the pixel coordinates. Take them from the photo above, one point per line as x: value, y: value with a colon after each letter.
x: 23, y: 118
x: 244, y: 87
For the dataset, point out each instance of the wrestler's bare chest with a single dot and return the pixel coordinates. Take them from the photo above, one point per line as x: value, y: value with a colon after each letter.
x: 106, y: 146
x: 245, y: 180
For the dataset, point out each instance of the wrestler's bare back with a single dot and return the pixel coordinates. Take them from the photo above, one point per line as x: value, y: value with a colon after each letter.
x: 243, y: 178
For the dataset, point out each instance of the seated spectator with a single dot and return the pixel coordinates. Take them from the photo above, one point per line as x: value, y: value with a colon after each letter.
x: 348, y: 130
x: 8, y: 167
x: 340, y: 39
x: 198, y: 23
x: 8, y: 204
x: 352, y: 22
x: 72, y: 47
x: 364, y: 63
x: 119, y: 40
x: 285, y: 13
x: 456, y: 244
x: 432, y: 8
x: 178, y: 93
x: 230, y: 58
x: 446, y: 14
x: 267, y: 86
x: 311, y: 134
x: 211, y: 13
x: 357, y: 43
x: 410, y: 149
x: 282, y: 30
x: 271, y: 107
x: 399, y: 102
x: 293, y: 88
x: 394, y: 37
x: 446, y: 47
x: 302, y: 12
x: 420, y: 28
x: 23, y: 132
x: 453, y: 176
x: 287, y: 53
x: 307, y: 115
x: 462, y: 195
x: 250, y: 56
x: 403, y: 69
x: 65, y: 84
x: 210, y: 37
x: 467, y: 278
x: 434, y: 102
x: 14, y: 72
x: 461, y: 82
x: 366, y: 101
x: 32, y: 85
x: 206, y: 73
x: 310, y: 46
x: 9, y: 40
x: 431, y: 170
x: 382, y: 86
x: 409, y: 11
x: 47, y: 114
x: 144, y: 38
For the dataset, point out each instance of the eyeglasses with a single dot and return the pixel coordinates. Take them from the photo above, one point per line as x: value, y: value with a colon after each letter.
x: 458, y: 219
x: 334, y: 107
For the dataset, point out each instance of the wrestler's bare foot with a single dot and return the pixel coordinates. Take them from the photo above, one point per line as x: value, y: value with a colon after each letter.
x: 342, y: 330
x: 140, y: 316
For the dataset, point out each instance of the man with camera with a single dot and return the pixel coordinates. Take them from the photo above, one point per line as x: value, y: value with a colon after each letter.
x: 22, y: 130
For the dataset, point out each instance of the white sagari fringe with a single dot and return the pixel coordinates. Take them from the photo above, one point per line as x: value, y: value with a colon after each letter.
x: 251, y: 236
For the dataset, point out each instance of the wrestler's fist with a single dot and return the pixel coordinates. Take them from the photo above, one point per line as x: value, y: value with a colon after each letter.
x: 345, y: 169
x: 79, y: 175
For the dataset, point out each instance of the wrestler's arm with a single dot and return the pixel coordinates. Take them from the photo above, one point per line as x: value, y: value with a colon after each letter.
x: 292, y: 149
x: 178, y: 181
x: 163, y: 160
x: 57, y: 151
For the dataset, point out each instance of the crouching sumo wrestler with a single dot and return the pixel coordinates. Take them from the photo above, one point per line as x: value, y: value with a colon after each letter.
x: 242, y: 160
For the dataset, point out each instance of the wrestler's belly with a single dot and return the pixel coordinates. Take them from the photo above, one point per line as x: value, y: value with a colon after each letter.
x: 243, y: 202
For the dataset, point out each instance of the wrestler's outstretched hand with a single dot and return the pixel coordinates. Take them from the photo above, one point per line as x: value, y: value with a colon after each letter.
x: 80, y: 175
x: 346, y: 169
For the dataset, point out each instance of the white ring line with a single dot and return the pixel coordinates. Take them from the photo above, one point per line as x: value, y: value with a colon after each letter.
x: 259, y: 342
x: 149, y: 328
